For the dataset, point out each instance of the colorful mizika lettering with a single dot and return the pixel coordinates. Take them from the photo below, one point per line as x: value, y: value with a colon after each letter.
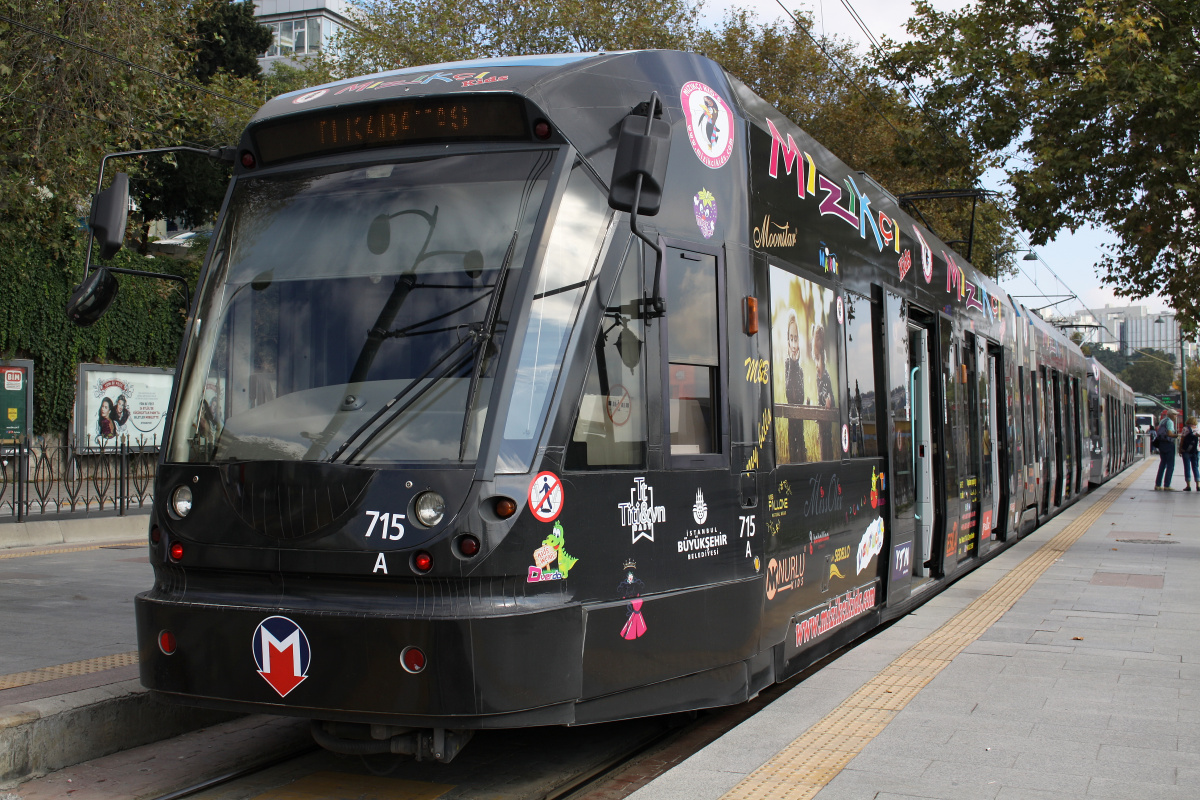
x: 852, y: 205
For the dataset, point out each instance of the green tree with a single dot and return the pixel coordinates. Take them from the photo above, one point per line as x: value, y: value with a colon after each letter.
x: 224, y: 46
x: 1101, y: 101
x: 229, y: 38
x: 390, y: 34
x: 1150, y: 372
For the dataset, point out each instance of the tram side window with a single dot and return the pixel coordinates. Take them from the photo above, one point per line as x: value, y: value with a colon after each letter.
x: 693, y: 368
x: 610, y: 430
x: 860, y: 377
x: 805, y: 340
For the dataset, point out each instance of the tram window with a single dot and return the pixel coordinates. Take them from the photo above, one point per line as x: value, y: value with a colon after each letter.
x: 313, y: 265
x: 860, y: 377
x: 572, y: 253
x: 692, y: 352
x: 610, y: 429
x: 805, y: 339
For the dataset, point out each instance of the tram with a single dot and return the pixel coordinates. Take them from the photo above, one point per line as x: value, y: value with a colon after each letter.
x: 564, y: 389
x: 1111, y: 410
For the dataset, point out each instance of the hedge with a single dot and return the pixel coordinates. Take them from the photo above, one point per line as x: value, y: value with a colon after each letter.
x: 143, y: 327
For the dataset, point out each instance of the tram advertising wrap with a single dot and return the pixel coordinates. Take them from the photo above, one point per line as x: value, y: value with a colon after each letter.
x: 448, y: 412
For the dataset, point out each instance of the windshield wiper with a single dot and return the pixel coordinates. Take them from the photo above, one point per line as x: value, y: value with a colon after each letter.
x: 491, y: 318
x: 376, y: 335
x: 421, y: 390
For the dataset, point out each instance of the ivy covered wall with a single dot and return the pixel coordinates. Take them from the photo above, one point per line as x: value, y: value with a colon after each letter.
x: 143, y: 327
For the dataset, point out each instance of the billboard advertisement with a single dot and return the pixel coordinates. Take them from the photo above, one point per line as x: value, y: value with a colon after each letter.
x: 117, y: 403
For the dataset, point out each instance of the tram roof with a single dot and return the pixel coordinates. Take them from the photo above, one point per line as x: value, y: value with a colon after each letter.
x: 529, y: 70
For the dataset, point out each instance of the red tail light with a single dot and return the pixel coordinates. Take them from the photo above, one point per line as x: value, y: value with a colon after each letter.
x: 166, y: 642
x: 422, y: 562
x: 176, y: 551
x: 412, y: 659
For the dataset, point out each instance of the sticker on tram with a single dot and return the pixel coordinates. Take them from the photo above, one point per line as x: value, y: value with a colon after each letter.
x: 552, y: 549
x: 710, y: 124
x: 546, y: 496
x: 902, y: 561
x: 704, y: 204
x: 304, y: 98
x: 870, y: 544
x: 282, y: 653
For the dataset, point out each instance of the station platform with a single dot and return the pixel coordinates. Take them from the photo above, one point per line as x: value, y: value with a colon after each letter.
x: 69, y: 688
x: 1067, y: 667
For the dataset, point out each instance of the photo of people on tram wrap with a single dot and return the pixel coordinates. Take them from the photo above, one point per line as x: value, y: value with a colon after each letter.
x: 805, y: 333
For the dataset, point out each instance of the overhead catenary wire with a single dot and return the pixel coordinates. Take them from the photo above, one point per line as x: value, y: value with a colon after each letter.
x: 862, y: 25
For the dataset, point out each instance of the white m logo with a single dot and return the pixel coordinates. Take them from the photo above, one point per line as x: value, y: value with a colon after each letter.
x: 291, y: 641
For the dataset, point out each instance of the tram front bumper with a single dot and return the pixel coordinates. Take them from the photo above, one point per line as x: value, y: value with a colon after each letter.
x: 479, y: 672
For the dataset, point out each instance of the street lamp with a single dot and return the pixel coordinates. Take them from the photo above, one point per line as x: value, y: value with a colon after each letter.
x: 1182, y: 374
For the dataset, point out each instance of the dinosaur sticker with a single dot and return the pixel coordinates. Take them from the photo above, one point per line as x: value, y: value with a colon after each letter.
x: 550, y: 552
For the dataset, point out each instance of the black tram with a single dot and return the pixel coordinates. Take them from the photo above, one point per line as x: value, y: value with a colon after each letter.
x: 454, y: 445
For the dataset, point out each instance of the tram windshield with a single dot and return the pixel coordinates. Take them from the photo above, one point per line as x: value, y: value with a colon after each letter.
x: 355, y: 314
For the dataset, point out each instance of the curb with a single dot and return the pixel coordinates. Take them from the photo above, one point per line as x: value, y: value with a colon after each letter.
x: 55, y: 732
x: 83, y: 530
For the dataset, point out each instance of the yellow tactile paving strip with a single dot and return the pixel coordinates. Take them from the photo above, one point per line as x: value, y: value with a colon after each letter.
x: 805, y: 766
x: 56, y: 550
x: 72, y: 670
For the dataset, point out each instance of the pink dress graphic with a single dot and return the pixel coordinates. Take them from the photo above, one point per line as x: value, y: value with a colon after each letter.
x: 635, y: 626
x: 631, y: 589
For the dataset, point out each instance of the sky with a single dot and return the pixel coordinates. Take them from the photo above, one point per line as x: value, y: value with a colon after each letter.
x: 1071, y: 256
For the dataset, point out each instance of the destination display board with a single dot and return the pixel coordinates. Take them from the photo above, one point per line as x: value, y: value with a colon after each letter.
x: 417, y: 120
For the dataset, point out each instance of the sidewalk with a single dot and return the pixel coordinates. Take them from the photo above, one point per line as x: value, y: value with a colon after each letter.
x: 69, y: 687
x: 134, y: 526
x: 1084, y: 685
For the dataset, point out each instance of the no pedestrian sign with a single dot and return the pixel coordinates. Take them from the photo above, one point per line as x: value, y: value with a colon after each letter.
x: 546, y: 496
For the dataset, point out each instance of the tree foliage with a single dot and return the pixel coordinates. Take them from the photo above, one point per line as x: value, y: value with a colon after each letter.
x: 1099, y: 100
x: 224, y: 43
x: 1150, y: 371
x: 398, y: 33
x: 79, y: 79
x: 228, y: 38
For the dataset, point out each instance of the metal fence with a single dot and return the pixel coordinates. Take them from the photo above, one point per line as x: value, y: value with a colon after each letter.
x: 40, y: 479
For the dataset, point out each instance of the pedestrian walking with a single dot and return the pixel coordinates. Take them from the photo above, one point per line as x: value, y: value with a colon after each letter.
x: 1189, y: 450
x: 1166, y: 451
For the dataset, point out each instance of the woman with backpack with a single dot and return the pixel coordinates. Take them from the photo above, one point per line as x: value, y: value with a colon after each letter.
x: 1189, y: 449
x: 1166, y: 451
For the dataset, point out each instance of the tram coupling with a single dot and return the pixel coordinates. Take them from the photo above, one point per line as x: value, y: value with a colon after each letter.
x: 358, y: 739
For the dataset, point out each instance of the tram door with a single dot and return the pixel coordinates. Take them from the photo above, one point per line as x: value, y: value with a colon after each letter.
x: 999, y: 458
x: 1059, y: 461
x: 920, y: 376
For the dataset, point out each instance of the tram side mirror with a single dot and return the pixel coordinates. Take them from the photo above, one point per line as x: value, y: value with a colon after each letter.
x: 644, y: 153
x: 110, y: 209
x: 92, y: 298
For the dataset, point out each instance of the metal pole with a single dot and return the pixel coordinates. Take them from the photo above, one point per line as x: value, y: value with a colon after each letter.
x: 1183, y: 378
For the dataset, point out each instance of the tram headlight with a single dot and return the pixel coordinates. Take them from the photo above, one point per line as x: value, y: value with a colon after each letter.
x: 181, y: 501
x: 430, y: 508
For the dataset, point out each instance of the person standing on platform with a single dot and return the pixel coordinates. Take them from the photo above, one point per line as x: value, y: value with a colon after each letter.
x: 1189, y: 450
x: 1166, y: 451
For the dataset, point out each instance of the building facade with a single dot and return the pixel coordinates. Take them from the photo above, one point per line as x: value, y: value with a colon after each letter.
x: 300, y: 27
x: 1131, y: 328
